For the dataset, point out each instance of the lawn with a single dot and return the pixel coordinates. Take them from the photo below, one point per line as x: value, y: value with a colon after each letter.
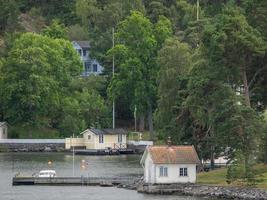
x: 24, y: 132
x: 218, y: 177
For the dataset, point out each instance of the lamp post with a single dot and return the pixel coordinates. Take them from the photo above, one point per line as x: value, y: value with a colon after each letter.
x: 113, y: 71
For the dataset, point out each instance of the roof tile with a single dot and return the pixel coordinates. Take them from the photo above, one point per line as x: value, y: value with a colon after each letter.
x: 173, y: 154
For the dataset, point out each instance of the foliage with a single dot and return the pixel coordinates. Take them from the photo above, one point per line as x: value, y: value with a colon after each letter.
x: 36, y: 72
x: 174, y: 60
x: 241, y: 173
x: 55, y: 30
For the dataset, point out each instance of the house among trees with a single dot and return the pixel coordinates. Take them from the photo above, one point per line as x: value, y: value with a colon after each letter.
x: 91, y: 66
x: 98, y: 139
x: 170, y: 164
x: 3, y: 130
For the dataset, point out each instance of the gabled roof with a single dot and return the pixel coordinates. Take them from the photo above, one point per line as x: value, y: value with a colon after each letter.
x: 83, y: 44
x: 106, y: 131
x: 172, y: 155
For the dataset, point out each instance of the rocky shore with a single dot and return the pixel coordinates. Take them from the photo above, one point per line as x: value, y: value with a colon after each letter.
x: 204, y: 190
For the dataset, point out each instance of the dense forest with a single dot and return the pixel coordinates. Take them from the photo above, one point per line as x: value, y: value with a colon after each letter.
x: 193, y: 70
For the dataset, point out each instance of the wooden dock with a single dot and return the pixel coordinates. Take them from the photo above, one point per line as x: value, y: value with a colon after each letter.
x: 90, y: 181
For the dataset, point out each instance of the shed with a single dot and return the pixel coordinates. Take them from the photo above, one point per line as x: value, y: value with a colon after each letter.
x: 170, y: 164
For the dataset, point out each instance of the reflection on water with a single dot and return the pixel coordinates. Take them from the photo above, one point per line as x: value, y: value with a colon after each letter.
x: 29, y: 163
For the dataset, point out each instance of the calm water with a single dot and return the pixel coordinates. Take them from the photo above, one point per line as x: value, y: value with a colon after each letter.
x: 28, y: 163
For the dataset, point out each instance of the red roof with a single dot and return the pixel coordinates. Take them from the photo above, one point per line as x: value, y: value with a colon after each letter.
x: 173, y: 154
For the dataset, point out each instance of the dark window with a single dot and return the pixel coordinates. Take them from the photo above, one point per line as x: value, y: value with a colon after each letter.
x: 163, y: 171
x: 84, y: 52
x: 87, y: 66
x: 120, y: 138
x: 80, y: 52
x: 94, y: 67
x: 183, y: 172
x: 89, y: 137
x: 101, y: 138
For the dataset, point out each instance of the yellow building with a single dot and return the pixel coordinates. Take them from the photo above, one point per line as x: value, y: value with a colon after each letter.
x: 99, y: 139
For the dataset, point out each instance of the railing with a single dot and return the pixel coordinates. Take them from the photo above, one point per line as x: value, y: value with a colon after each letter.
x: 120, y: 146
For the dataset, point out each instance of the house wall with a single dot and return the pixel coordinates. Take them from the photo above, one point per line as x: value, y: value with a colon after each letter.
x: 152, y: 172
x: 174, y: 173
x: 3, y: 132
x: 149, y: 170
x: 74, y: 142
x: 89, y: 141
x: 109, y: 141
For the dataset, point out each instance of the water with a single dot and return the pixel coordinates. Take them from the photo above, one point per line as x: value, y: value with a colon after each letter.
x: 28, y: 163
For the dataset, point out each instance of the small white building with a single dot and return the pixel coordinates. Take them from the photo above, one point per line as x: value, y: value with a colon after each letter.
x: 170, y: 164
x: 99, y: 139
x: 3, y: 130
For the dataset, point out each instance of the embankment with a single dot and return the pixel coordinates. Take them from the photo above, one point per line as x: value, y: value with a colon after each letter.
x: 204, y: 190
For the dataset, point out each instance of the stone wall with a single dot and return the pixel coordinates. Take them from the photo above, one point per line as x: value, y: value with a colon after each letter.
x: 206, y: 191
x: 10, y: 145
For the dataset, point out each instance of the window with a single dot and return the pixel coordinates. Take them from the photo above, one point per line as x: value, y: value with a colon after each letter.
x: 80, y: 52
x: 94, y: 67
x: 89, y: 137
x: 163, y: 171
x: 84, y: 52
x: 87, y: 66
x: 183, y: 172
x: 101, y: 138
x: 120, y: 138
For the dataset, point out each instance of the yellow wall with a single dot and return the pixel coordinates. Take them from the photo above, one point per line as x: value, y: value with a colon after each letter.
x: 91, y: 141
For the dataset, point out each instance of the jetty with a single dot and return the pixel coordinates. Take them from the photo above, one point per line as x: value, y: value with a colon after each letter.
x: 86, y: 181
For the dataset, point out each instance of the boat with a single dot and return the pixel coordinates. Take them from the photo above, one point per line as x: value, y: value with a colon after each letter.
x: 47, y: 174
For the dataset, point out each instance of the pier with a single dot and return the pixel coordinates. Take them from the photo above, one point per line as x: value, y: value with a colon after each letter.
x: 86, y: 181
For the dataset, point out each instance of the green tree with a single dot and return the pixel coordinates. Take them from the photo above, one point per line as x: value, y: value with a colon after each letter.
x: 37, y: 73
x: 55, y: 30
x: 136, y: 50
x: 174, y: 60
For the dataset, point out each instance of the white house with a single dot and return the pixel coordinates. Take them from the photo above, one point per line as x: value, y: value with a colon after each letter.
x: 99, y: 139
x: 170, y: 164
x: 3, y: 130
x: 91, y: 66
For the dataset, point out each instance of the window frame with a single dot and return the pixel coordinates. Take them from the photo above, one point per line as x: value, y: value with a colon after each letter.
x: 183, y: 171
x: 84, y: 52
x: 163, y: 171
x: 101, y: 139
x: 119, y: 138
x: 95, y: 66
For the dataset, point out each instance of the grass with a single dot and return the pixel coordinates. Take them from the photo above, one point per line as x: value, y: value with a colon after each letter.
x: 24, y: 132
x: 218, y: 177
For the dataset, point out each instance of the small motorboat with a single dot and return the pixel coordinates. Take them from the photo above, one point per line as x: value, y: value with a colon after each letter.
x: 47, y: 174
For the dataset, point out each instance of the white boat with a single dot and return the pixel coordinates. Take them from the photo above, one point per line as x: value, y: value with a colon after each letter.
x: 47, y: 173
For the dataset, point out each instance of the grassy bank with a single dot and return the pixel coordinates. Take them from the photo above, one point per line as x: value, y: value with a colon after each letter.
x: 218, y: 177
x: 24, y: 132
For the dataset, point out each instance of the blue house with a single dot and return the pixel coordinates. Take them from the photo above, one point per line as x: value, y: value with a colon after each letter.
x: 91, y: 66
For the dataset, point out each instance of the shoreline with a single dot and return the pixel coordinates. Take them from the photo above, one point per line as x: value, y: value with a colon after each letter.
x: 226, y: 192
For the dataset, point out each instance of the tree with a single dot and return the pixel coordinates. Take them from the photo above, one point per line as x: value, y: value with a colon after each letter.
x: 136, y: 49
x: 37, y: 72
x: 55, y: 30
x: 174, y: 59
x: 8, y: 16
